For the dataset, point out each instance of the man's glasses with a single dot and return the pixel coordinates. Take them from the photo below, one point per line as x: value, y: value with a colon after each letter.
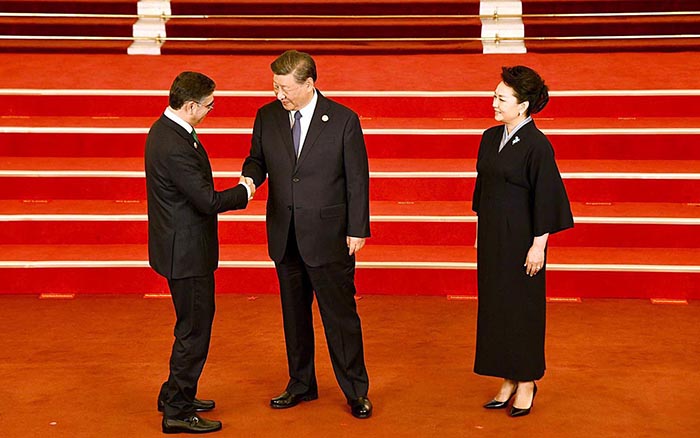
x: 209, y: 106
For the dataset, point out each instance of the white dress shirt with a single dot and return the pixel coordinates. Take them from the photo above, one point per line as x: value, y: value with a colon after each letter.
x: 169, y: 113
x: 306, y: 114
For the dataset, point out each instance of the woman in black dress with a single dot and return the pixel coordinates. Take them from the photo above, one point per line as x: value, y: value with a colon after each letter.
x: 520, y: 200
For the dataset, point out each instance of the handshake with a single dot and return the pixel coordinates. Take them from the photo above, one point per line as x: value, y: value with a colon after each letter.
x: 248, y: 182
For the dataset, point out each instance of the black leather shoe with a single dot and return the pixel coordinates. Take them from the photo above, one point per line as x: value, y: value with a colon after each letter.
x: 199, y: 405
x: 495, y: 404
x: 287, y: 400
x: 361, y: 407
x: 192, y: 424
x: 518, y: 412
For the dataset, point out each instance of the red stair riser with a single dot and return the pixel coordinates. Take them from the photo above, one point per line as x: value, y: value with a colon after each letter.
x: 592, y: 147
x: 230, y: 232
x: 88, y: 27
x: 625, y: 146
x: 277, y: 27
x: 273, y: 49
x: 632, y: 190
x: 365, y: 106
x: 252, y: 281
x: 381, y: 189
x: 126, y: 281
x: 71, y: 6
x: 383, y: 233
x: 302, y: 7
x: 548, y: 27
x: 600, y: 284
x: 225, y: 145
x: 628, y: 236
x: 601, y: 6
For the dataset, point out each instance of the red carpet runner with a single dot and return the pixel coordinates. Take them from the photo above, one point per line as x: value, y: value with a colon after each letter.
x: 73, y: 207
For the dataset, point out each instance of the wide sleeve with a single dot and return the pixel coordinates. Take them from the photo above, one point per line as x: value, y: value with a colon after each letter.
x: 476, y: 196
x: 550, y: 205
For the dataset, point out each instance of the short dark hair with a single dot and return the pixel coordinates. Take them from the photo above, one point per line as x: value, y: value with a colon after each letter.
x: 527, y: 86
x: 299, y: 63
x: 190, y: 85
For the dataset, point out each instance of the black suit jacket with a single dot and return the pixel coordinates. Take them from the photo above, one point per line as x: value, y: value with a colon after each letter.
x: 182, y: 203
x: 326, y: 190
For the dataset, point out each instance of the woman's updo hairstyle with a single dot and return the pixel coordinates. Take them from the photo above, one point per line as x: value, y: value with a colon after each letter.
x: 527, y: 86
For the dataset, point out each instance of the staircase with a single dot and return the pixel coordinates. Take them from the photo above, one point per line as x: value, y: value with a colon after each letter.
x: 73, y: 202
x: 623, y: 119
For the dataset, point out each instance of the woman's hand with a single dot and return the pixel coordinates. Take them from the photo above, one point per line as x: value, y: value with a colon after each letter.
x: 534, y: 262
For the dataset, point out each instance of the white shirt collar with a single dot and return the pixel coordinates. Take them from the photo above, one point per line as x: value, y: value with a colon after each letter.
x: 308, y: 111
x: 169, y: 113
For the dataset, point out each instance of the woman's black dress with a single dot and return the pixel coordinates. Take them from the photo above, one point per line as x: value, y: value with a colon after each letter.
x: 518, y: 195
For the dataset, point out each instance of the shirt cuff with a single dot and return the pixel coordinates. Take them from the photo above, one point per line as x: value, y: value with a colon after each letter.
x: 247, y: 189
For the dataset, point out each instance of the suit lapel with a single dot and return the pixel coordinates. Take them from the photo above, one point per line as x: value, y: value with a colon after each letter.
x: 315, y: 128
x: 180, y: 130
x: 281, y: 120
x: 188, y: 138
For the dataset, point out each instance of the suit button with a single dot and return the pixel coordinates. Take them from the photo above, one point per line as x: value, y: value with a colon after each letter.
x: 295, y: 179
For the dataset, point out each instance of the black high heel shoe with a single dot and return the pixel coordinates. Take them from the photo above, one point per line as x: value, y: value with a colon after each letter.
x: 517, y: 412
x: 495, y: 404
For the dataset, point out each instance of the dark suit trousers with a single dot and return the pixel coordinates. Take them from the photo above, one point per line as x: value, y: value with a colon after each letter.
x: 335, y: 292
x: 194, y: 307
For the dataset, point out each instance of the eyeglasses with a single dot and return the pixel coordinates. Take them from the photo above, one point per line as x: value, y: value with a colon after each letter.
x: 209, y: 106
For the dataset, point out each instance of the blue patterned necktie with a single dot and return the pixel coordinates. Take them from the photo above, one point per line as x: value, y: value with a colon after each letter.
x: 296, y: 132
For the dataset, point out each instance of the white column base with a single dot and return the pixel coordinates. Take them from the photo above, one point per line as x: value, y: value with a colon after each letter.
x: 495, y: 28
x: 150, y: 28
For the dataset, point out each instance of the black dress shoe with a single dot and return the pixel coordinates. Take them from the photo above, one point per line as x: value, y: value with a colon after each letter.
x: 192, y: 424
x: 518, y: 412
x: 495, y: 404
x: 361, y: 407
x: 287, y: 400
x: 199, y: 405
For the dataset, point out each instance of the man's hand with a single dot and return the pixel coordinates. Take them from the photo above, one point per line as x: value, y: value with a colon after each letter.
x: 248, y: 181
x: 354, y: 244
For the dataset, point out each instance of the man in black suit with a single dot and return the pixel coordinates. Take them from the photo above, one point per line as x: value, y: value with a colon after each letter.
x: 313, y: 153
x: 183, y: 243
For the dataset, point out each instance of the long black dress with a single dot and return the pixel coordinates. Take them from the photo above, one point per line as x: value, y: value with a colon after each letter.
x: 518, y: 195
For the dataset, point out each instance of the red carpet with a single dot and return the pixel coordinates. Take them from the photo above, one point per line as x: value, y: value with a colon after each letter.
x: 64, y: 355
x: 71, y: 166
x: 603, y: 71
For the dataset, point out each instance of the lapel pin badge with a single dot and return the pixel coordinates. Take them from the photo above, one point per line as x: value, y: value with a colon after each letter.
x: 516, y: 139
x: 324, y: 118
x: 195, y: 144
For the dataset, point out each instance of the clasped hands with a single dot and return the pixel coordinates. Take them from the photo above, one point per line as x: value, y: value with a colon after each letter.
x: 248, y: 182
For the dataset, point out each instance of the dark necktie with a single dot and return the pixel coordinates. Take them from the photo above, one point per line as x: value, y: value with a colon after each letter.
x: 194, y: 134
x: 296, y: 132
